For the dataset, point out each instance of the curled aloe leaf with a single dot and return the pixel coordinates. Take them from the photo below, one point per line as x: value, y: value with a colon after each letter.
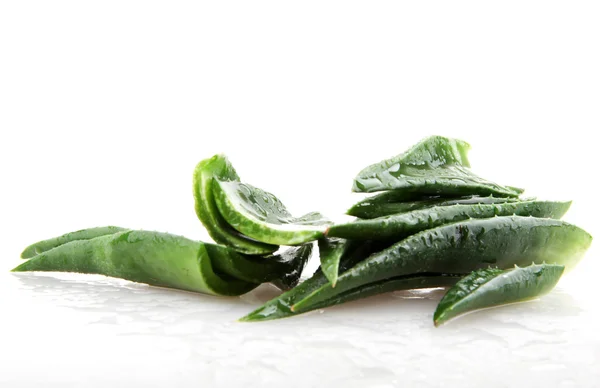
x: 208, y: 170
x: 389, y: 203
x: 405, y: 224
x: 261, y: 216
x: 463, y: 247
x: 84, y: 234
x: 435, y: 166
x: 154, y: 258
x: 493, y: 287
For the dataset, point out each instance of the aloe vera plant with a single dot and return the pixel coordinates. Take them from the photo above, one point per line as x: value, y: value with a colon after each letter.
x: 493, y: 287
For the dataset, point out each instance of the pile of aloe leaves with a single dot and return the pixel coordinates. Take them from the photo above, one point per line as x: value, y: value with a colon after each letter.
x: 431, y: 223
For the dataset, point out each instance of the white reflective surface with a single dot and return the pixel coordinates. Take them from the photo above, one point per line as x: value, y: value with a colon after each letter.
x: 61, y: 330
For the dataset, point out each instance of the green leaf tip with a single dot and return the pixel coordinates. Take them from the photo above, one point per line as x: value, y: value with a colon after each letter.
x: 494, y: 287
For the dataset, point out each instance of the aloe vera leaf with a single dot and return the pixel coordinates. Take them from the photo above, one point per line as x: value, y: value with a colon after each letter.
x: 154, y: 258
x: 280, y: 307
x: 84, y: 234
x: 273, y: 310
x: 207, y: 171
x: 331, y: 250
x: 463, y: 247
x: 392, y: 202
x: 297, y: 257
x: 436, y: 166
x: 386, y: 204
x: 261, y: 216
x: 250, y: 268
x: 493, y: 287
x: 404, y: 224
x: 400, y: 283
x: 435, y: 151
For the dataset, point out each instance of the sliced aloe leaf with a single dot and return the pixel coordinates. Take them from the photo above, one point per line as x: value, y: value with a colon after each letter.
x: 463, y: 247
x: 208, y: 170
x: 493, y: 287
x: 261, y: 216
x: 436, y: 166
x: 84, y: 234
x: 389, y: 203
x: 154, y: 258
x: 404, y: 224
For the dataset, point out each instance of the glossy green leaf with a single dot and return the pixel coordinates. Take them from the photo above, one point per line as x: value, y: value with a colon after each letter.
x: 84, y: 234
x: 207, y: 171
x: 402, y: 225
x: 331, y: 251
x: 493, y: 287
x: 297, y: 257
x: 261, y: 216
x: 274, y: 268
x: 391, y: 202
x: 463, y: 247
x: 434, y: 151
x: 280, y: 307
x: 435, y: 166
x: 400, y: 283
x: 154, y: 258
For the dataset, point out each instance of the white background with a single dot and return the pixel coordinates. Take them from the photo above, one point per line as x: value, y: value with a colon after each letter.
x: 106, y: 107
